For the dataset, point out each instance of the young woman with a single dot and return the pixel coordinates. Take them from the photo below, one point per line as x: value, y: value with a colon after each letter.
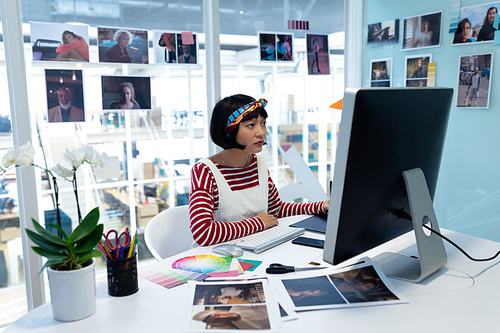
x: 73, y: 48
x: 487, y: 31
x: 462, y: 32
x: 232, y: 194
x: 128, y: 101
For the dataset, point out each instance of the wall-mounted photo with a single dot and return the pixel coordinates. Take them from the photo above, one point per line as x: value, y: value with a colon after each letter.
x: 64, y: 90
x: 59, y: 42
x: 267, y: 46
x: 164, y: 45
x: 381, y: 72
x: 474, y: 81
x: 422, y: 31
x: 126, y: 92
x: 382, y: 33
x: 187, y: 48
x: 275, y: 46
x: 416, y: 70
x: 122, y: 45
x: 476, y: 24
x: 318, y: 55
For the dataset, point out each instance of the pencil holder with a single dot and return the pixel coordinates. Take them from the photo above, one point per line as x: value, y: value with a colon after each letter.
x: 122, y: 276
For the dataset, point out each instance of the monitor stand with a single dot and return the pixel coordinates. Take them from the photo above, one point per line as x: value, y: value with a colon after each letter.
x: 431, y: 252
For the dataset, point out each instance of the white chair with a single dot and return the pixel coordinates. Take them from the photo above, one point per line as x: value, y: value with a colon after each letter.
x: 168, y: 233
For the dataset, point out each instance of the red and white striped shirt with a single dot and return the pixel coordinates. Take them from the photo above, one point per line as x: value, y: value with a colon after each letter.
x: 204, y: 199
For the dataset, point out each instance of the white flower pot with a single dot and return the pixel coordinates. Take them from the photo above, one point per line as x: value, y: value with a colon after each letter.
x: 73, y: 293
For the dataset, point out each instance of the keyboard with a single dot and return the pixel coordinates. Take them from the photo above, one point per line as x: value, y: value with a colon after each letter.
x: 264, y: 240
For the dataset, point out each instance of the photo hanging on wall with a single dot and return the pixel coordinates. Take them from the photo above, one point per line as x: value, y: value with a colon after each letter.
x: 123, y: 45
x: 381, y: 72
x: 422, y: 31
x: 318, y: 55
x: 476, y: 24
x: 126, y: 92
x: 64, y: 90
x: 383, y: 33
x: 416, y: 68
x: 59, y: 42
x: 474, y: 81
x: 174, y: 47
x: 275, y: 46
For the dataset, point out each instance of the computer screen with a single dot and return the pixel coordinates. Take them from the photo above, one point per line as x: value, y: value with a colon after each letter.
x: 383, y: 132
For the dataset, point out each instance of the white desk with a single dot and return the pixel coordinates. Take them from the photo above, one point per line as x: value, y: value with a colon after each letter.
x: 461, y: 297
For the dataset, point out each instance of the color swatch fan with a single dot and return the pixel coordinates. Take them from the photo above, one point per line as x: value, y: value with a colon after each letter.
x: 203, y: 264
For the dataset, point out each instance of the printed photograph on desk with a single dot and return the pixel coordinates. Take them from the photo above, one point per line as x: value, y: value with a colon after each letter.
x: 231, y: 306
x: 421, y: 31
x: 474, y: 81
x: 477, y: 24
x: 122, y: 45
x: 360, y: 285
x: 416, y: 68
x: 59, y: 42
x: 383, y: 33
x: 318, y: 55
x: 126, y: 92
x: 64, y: 89
x: 381, y: 72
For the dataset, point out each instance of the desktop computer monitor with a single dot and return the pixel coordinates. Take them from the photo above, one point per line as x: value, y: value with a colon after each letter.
x: 383, y: 133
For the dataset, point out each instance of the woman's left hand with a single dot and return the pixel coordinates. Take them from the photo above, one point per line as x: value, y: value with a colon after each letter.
x: 326, y: 205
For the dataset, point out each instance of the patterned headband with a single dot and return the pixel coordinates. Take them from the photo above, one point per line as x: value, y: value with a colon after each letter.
x: 237, y: 116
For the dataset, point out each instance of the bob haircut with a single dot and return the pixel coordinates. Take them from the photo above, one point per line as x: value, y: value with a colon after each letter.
x: 120, y: 32
x: 222, y: 110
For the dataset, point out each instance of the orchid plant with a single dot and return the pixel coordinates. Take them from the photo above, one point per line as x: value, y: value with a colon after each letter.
x: 63, y: 252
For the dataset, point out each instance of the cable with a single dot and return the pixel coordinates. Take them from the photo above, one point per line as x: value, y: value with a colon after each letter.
x: 458, y: 247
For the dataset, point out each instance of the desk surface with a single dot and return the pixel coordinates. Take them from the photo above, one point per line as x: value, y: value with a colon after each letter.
x: 460, y: 297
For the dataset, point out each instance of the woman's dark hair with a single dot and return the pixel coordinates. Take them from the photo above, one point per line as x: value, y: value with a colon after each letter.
x: 66, y: 32
x: 460, y: 30
x: 222, y: 110
x: 487, y: 12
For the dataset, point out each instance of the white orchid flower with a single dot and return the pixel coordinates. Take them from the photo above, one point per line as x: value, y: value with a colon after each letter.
x: 63, y: 172
x: 100, y: 159
x: 10, y: 157
x: 26, y: 154
x: 72, y: 157
x: 76, y: 157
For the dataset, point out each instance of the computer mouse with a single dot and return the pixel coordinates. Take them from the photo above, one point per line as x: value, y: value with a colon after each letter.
x: 228, y: 250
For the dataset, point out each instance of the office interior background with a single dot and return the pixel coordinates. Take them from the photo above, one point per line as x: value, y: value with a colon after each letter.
x: 151, y: 152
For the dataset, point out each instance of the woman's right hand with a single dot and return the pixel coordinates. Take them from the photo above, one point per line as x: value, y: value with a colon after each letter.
x: 269, y: 220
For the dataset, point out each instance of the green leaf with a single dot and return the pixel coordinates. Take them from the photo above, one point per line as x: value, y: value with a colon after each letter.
x: 88, y: 243
x: 43, y: 242
x: 89, y: 255
x: 49, y: 263
x: 86, y: 227
x: 49, y: 254
x: 65, y: 237
x: 47, y: 234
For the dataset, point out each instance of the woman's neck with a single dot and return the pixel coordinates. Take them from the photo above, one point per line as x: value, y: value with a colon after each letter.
x: 235, y: 158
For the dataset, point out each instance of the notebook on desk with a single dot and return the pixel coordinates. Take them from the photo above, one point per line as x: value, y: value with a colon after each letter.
x: 315, y: 223
x: 264, y: 240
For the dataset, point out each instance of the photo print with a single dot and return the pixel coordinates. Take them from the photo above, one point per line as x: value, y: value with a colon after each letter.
x: 360, y: 285
x: 187, y: 48
x: 382, y: 33
x: 474, y: 81
x: 318, y: 55
x: 476, y: 24
x: 64, y: 91
x: 381, y: 72
x: 416, y: 68
x: 122, y: 45
x: 231, y: 305
x: 126, y: 92
x: 59, y: 42
x: 275, y: 46
x: 422, y: 31
x: 164, y: 45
